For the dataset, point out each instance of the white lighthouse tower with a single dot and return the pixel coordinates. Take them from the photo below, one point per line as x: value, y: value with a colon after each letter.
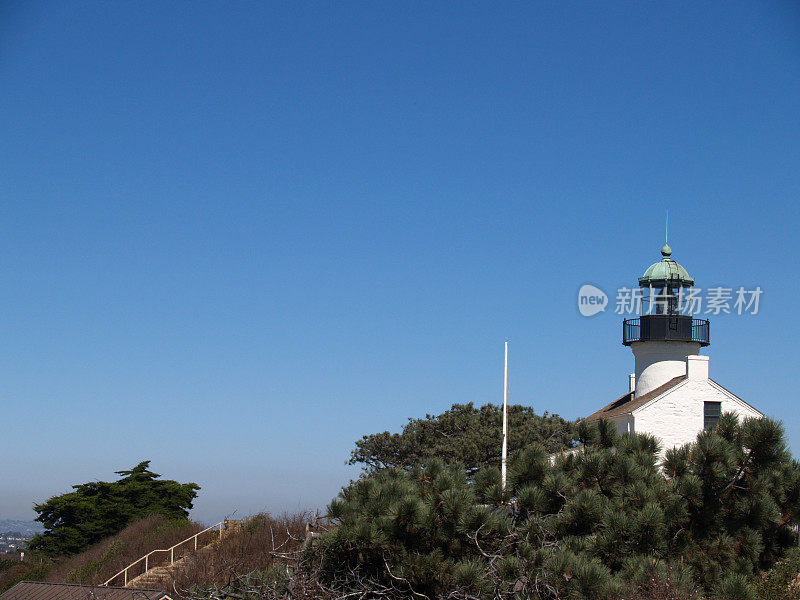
x: 670, y: 395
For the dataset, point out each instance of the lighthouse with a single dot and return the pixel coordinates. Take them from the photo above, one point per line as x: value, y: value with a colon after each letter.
x: 670, y: 394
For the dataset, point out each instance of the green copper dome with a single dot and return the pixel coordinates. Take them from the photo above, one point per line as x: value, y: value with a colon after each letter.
x: 666, y: 271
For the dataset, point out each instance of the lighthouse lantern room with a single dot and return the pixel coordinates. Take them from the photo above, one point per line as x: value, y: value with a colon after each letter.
x: 665, y: 333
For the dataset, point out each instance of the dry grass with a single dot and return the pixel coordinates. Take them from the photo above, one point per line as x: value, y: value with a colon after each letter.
x: 96, y: 564
x: 13, y: 571
x: 251, y: 545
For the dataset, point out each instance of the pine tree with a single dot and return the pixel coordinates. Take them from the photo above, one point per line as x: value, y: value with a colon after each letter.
x: 593, y: 523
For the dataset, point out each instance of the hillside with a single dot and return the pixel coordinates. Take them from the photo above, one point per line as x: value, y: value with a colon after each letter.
x: 255, y: 545
x: 102, y: 560
x: 258, y: 551
x: 26, y: 528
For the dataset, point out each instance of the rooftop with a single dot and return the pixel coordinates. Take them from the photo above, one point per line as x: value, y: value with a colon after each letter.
x: 627, y: 403
x: 40, y: 590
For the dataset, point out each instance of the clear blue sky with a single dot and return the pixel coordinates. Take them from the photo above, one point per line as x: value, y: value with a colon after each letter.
x: 238, y: 236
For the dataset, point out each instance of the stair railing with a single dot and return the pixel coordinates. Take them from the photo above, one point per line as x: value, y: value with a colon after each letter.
x: 146, y: 557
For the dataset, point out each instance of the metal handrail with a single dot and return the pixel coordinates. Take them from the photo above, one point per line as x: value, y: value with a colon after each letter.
x: 697, y: 330
x: 171, y: 550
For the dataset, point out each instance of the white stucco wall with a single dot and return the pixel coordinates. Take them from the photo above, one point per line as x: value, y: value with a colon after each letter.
x: 676, y: 417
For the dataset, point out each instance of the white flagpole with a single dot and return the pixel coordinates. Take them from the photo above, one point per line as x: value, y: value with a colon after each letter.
x: 505, y: 421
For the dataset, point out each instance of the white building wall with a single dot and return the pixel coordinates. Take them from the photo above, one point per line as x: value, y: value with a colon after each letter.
x: 658, y: 362
x: 676, y: 417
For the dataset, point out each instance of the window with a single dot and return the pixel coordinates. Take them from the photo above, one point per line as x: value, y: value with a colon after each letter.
x: 711, y: 412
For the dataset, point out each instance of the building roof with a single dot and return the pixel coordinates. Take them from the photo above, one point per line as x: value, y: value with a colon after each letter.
x: 40, y: 590
x: 628, y: 403
x: 666, y: 271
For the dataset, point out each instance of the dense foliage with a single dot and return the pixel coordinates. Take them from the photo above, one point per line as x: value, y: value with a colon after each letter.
x: 463, y: 434
x: 782, y: 581
x: 598, y: 522
x: 98, y: 509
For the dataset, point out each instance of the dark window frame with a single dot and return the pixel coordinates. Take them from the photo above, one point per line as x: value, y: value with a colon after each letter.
x: 712, y: 411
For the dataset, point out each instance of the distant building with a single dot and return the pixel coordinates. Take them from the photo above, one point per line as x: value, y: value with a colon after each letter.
x: 670, y: 395
x: 38, y: 590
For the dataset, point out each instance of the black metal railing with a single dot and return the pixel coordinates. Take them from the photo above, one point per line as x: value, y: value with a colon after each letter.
x: 701, y: 331
x: 676, y: 328
x: 631, y: 331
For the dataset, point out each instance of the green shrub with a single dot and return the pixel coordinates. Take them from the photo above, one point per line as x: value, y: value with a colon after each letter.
x: 598, y: 523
